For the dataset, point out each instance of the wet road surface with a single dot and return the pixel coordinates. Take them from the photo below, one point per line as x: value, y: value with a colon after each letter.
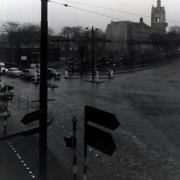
x: 147, y: 105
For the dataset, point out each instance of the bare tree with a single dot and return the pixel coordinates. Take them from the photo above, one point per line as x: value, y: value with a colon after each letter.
x: 175, y: 29
x: 9, y: 29
x: 23, y: 34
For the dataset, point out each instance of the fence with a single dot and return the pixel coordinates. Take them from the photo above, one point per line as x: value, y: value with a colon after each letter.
x: 24, y: 102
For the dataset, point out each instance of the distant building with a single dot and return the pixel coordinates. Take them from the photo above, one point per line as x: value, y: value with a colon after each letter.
x: 125, y: 38
x: 158, y: 18
x: 25, y: 55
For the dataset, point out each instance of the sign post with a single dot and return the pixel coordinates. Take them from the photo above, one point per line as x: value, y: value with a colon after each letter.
x: 96, y: 137
x: 70, y: 142
x: 74, y: 120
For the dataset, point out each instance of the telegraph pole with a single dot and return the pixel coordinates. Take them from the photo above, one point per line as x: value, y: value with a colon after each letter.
x: 67, y: 49
x: 43, y: 92
x: 87, y: 53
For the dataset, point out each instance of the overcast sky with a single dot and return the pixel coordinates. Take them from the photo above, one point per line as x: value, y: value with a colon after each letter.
x: 60, y: 16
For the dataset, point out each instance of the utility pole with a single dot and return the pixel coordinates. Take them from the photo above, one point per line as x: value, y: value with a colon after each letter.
x: 67, y: 50
x: 92, y: 53
x: 43, y: 92
x: 87, y: 53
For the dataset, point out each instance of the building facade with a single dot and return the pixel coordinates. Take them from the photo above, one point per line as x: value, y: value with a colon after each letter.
x: 23, y: 56
x: 125, y: 38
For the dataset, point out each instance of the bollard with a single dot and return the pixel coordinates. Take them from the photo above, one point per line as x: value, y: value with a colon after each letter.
x: 27, y: 104
x: 19, y: 99
x: 70, y: 74
x: 97, y: 75
x: 66, y: 73
x: 5, y: 123
x: 111, y: 73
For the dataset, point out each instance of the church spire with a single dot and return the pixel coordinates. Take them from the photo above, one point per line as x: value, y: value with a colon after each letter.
x: 158, y: 3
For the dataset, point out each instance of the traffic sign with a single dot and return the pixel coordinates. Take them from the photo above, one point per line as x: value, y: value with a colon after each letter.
x: 31, y: 117
x: 100, y: 140
x: 101, y: 117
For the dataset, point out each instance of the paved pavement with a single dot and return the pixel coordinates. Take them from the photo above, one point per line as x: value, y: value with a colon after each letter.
x: 147, y: 104
x: 10, y: 166
x: 19, y: 161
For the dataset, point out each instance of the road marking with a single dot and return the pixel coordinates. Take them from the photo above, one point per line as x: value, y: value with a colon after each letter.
x: 21, y: 160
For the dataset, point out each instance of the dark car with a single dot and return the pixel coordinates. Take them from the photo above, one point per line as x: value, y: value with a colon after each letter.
x: 51, y: 72
x: 30, y: 74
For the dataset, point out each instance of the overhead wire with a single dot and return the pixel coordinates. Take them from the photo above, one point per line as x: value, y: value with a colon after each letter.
x: 105, y: 8
x: 96, y: 13
x: 117, y: 10
x: 93, y: 12
x: 85, y: 10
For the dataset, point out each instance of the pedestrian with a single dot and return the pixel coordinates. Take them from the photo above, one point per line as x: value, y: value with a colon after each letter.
x: 66, y: 73
x: 109, y: 73
x: 70, y: 72
x: 97, y: 75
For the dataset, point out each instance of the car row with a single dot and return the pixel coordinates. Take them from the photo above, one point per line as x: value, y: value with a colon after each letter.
x: 6, y: 91
x: 53, y: 73
x: 32, y: 74
x: 14, y: 72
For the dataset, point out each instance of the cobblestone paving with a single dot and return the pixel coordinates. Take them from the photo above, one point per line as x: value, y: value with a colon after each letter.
x: 147, y: 105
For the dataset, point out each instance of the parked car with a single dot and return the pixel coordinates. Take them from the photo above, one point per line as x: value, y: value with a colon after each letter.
x: 51, y: 72
x: 7, y: 91
x: 30, y: 74
x: 2, y: 64
x: 3, y: 69
x: 14, y: 72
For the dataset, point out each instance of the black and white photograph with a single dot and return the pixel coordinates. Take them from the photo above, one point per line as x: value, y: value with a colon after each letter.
x: 89, y: 90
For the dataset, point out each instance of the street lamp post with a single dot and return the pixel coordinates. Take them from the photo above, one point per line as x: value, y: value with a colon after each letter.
x: 67, y: 50
x: 87, y: 52
x: 92, y: 53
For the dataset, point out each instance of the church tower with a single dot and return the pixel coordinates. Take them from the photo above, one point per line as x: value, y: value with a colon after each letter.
x: 158, y: 18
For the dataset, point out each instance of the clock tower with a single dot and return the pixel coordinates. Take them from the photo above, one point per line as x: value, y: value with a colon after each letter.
x: 158, y: 18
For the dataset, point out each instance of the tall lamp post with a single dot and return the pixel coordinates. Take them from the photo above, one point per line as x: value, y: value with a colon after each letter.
x: 43, y: 92
x: 87, y: 50
x: 92, y: 52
